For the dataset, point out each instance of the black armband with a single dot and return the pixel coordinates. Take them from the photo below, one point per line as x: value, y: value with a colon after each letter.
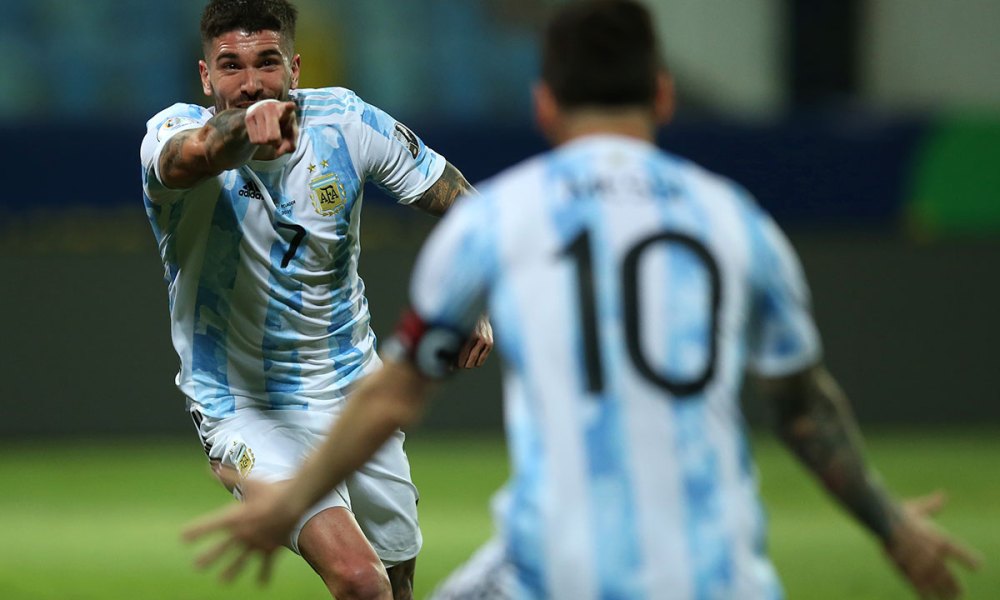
x: 432, y: 349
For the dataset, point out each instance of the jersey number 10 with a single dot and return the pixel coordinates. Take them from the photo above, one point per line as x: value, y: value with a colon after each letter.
x: 579, y: 250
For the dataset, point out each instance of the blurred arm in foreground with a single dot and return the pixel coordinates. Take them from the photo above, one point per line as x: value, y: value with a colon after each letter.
x: 391, y: 398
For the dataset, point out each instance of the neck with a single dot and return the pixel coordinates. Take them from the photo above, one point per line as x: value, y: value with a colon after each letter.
x: 629, y: 122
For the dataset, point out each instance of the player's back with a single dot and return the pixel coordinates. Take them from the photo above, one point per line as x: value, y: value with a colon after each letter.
x: 624, y: 294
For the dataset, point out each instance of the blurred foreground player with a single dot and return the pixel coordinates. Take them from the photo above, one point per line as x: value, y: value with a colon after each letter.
x: 631, y: 291
x: 255, y: 203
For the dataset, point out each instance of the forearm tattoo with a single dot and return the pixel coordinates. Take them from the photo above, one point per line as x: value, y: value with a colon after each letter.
x: 224, y: 145
x: 227, y: 144
x: 440, y: 196
x: 229, y: 124
x: 816, y: 423
x: 172, y: 153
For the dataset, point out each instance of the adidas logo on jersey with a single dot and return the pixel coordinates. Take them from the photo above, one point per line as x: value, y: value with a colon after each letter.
x: 249, y: 190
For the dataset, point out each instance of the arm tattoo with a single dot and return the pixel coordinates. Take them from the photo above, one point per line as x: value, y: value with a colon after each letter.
x: 448, y: 188
x: 219, y: 145
x: 226, y: 145
x: 171, y: 154
x: 229, y: 123
x: 815, y: 422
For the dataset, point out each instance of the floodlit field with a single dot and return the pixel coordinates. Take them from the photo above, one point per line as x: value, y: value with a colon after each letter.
x: 100, y: 520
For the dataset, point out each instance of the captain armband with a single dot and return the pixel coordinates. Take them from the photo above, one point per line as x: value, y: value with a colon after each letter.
x: 432, y: 349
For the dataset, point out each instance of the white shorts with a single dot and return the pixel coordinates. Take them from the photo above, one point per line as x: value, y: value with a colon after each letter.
x: 269, y: 445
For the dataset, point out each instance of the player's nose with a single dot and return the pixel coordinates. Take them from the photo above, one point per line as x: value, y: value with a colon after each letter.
x: 251, y: 83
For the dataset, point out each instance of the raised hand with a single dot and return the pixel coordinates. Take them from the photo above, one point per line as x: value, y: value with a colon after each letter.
x: 260, y: 525
x: 273, y: 123
x: 924, y: 553
x: 477, y: 347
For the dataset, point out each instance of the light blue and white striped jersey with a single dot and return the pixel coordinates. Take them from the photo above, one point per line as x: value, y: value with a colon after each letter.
x: 266, y: 305
x: 629, y: 291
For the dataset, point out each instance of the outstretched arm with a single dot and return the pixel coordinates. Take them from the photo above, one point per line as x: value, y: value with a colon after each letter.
x: 815, y: 421
x: 227, y: 141
x: 392, y: 398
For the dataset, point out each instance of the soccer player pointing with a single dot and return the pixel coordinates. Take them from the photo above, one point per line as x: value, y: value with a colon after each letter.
x: 255, y: 206
x: 631, y: 292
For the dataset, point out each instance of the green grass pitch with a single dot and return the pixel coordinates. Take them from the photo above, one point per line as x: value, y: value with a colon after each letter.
x: 100, y: 519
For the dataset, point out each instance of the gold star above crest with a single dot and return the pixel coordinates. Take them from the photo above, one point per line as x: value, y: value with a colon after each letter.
x: 325, y: 163
x: 312, y: 168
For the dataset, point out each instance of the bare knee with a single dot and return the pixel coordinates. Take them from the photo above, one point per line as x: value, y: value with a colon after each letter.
x: 356, y: 580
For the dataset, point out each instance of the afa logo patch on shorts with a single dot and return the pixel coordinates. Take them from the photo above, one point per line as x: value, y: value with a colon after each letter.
x: 241, y: 456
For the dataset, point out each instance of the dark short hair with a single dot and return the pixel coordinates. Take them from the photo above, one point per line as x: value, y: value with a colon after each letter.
x: 223, y: 16
x: 601, y: 53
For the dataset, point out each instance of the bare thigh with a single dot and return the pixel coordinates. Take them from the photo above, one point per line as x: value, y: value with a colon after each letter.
x: 333, y: 545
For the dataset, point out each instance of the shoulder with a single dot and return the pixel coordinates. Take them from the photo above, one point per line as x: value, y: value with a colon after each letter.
x: 740, y: 223
x: 524, y: 175
x: 739, y: 216
x: 511, y: 201
x: 709, y: 187
x: 328, y: 106
x: 177, y: 115
x: 342, y: 107
x: 168, y: 122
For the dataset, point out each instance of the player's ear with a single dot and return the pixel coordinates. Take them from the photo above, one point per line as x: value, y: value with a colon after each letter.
x: 664, y: 102
x: 296, y: 69
x: 546, y: 110
x: 206, y: 82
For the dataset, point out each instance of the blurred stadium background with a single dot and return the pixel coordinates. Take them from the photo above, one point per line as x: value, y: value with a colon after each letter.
x: 869, y: 128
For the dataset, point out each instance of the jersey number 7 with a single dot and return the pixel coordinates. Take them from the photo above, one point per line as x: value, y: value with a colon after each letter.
x: 293, y: 246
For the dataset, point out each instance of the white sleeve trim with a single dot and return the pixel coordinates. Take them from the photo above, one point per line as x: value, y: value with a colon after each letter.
x: 161, y: 144
x: 430, y: 181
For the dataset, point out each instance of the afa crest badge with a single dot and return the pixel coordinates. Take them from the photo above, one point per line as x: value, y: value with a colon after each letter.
x: 328, y: 195
x: 241, y: 456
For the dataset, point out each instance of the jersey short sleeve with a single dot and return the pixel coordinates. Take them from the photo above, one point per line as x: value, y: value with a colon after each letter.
x: 165, y: 125
x: 783, y: 337
x: 395, y: 158
x: 454, y: 269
